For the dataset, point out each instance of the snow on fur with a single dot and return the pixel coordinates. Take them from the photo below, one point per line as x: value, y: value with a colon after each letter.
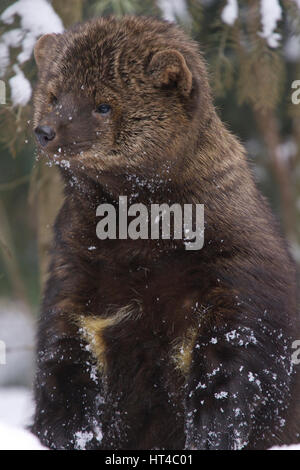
x: 16, y: 406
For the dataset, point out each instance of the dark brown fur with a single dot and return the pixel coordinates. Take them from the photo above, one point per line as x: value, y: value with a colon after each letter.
x: 169, y: 329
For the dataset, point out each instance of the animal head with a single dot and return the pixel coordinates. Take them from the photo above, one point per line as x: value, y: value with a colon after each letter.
x: 117, y: 95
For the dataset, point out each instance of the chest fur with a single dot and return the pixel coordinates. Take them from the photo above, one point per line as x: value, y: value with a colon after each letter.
x: 146, y: 318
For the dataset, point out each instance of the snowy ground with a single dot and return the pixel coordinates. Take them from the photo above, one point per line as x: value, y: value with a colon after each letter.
x: 16, y: 409
x: 17, y: 331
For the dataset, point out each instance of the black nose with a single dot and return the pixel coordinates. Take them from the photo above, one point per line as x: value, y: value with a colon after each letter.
x: 44, y: 134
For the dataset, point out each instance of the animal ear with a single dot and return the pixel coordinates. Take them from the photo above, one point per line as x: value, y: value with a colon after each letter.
x: 44, y: 48
x: 169, y: 67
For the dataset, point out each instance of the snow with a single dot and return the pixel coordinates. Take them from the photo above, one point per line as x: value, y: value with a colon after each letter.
x: 221, y: 395
x: 173, y: 9
x: 20, y: 88
x: 37, y: 17
x: 16, y: 410
x: 16, y: 406
x: 17, y: 332
x: 82, y: 438
x: 286, y: 151
x: 11, y: 38
x: 271, y: 13
x: 292, y: 48
x: 292, y: 447
x: 18, y: 439
x: 230, y: 12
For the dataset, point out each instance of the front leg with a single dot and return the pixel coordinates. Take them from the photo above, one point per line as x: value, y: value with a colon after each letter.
x: 67, y: 389
x: 238, y: 386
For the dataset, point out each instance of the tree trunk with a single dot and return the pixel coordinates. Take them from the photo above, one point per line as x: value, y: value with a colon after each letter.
x: 268, y: 127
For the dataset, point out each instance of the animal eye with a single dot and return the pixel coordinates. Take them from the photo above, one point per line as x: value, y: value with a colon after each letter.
x: 103, y: 108
x: 53, y: 99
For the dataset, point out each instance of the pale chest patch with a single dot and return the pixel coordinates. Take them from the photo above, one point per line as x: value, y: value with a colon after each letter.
x: 93, y: 327
x: 183, y: 349
x: 92, y: 330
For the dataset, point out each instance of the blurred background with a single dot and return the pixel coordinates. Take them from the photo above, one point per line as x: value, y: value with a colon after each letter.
x: 252, y: 48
